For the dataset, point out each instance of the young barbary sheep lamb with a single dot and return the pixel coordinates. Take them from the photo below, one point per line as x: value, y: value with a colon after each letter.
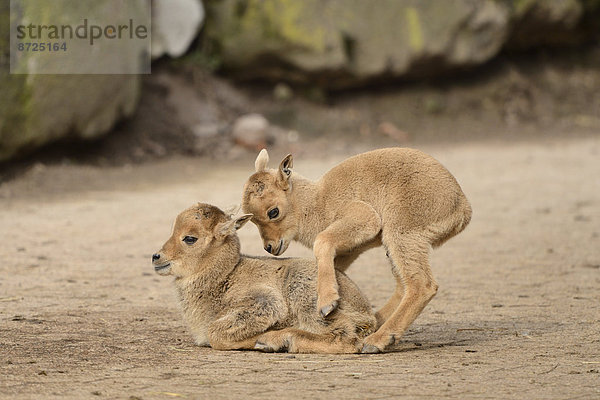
x: 400, y: 198
x: 231, y: 301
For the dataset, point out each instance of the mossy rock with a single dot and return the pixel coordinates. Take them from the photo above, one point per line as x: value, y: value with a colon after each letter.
x: 340, y: 43
x: 344, y: 42
x: 38, y: 109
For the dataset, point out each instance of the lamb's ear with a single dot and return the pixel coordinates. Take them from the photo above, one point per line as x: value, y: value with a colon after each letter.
x: 261, y: 161
x: 285, y: 170
x: 241, y: 221
x: 227, y: 228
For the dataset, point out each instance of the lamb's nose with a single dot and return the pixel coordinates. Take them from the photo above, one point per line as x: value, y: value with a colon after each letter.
x: 268, y: 248
x: 155, y: 257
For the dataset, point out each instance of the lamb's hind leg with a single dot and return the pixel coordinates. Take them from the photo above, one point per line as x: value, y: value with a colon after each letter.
x: 358, y: 225
x: 244, y: 344
x: 409, y: 254
x: 295, y: 340
x: 392, y: 304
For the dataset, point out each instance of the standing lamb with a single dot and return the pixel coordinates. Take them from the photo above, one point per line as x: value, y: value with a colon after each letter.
x: 231, y: 301
x: 401, y: 198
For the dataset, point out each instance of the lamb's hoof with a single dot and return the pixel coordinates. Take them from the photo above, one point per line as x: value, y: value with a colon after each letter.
x: 370, y: 349
x: 264, y: 347
x: 326, y: 310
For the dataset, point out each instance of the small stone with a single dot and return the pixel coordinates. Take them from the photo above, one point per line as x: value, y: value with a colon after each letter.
x: 283, y: 92
x: 250, y: 131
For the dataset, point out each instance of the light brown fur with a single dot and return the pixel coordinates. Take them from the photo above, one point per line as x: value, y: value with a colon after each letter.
x: 400, y: 198
x: 231, y: 301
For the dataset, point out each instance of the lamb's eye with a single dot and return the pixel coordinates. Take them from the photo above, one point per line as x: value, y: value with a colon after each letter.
x: 190, y: 239
x: 274, y: 213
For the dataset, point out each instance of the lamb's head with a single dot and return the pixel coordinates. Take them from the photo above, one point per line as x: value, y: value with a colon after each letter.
x: 267, y: 197
x: 198, y: 232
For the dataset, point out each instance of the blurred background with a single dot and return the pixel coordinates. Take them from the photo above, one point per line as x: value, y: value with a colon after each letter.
x: 233, y: 76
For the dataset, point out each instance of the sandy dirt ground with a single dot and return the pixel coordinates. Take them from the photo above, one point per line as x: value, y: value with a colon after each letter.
x: 83, y: 315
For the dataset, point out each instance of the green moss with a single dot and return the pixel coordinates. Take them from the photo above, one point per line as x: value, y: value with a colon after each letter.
x: 286, y: 17
x: 15, y: 100
x: 520, y: 7
x: 14, y: 111
x: 415, y: 31
x: 245, y: 27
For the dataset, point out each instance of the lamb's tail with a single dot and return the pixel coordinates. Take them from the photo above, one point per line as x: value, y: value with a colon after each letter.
x: 449, y: 227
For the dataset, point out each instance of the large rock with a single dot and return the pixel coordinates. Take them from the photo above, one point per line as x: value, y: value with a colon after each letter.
x: 544, y: 22
x: 175, y: 24
x: 38, y: 109
x: 345, y: 41
x: 337, y: 43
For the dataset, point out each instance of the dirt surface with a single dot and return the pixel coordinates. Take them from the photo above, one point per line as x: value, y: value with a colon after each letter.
x: 83, y: 315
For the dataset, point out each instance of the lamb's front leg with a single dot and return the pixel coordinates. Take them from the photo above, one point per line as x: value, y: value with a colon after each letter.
x: 357, y: 224
x: 247, y: 318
